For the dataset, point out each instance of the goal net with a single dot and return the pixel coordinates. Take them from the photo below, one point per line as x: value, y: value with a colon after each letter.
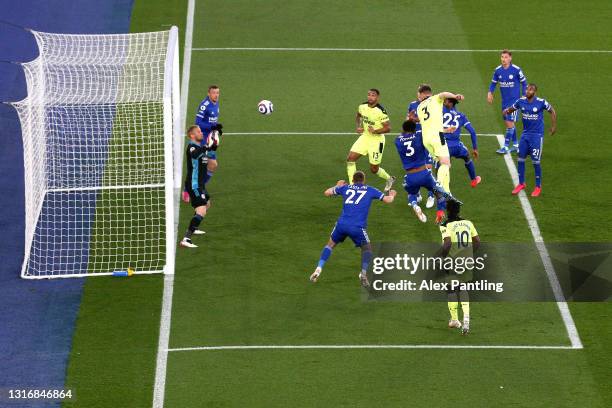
x: 98, y: 126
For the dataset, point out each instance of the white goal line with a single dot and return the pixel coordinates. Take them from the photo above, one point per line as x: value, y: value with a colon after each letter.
x: 371, y: 346
x: 395, y: 50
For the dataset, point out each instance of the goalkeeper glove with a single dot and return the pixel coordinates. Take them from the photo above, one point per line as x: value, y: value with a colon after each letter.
x: 219, y: 128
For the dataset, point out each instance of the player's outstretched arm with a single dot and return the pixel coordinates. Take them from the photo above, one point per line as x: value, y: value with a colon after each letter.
x: 388, y: 199
x: 445, y: 95
x: 553, y: 116
x: 332, y: 190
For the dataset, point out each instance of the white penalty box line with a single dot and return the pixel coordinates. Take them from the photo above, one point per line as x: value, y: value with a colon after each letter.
x: 370, y: 346
x: 416, y: 50
x: 568, y: 321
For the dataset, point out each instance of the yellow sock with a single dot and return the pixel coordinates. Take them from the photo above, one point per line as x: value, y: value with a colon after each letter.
x: 452, y: 308
x: 351, y: 168
x: 465, y: 307
x: 383, y: 174
x: 444, y: 176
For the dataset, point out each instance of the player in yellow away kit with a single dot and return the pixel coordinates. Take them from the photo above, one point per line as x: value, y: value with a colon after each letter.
x: 429, y: 115
x: 372, y: 123
x: 459, y: 239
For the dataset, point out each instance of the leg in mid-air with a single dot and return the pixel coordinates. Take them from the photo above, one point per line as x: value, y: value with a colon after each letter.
x: 430, y: 195
x: 366, y: 257
x: 524, y: 147
x: 412, y: 187
x: 325, y: 254
x: 459, y: 151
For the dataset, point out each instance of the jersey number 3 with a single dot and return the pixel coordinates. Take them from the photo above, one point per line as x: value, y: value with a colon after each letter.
x: 409, y: 148
x: 426, y: 113
x: 350, y: 194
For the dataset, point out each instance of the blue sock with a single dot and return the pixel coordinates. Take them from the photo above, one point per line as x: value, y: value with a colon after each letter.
x: 413, y: 199
x: 366, y: 256
x: 469, y: 165
x: 208, y: 176
x: 537, y: 167
x: 509, y: 132
x: 521, y: 170
x: 324, y: 256
x: 514, y: 138
x: 441, y: 205
x: 431, y: 194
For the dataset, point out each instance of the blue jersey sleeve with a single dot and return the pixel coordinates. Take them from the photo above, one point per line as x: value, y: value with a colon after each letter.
x: 493, y: 82
x: 546, y: 105
x: 523, y: 80
x: 468, y: 126
x: 517, y: 105
x: 375, y: 193
x: 340, y: 190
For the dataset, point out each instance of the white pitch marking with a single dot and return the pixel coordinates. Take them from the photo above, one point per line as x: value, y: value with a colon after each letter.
x: 566, y: 315
x: 370, y: 346
x: 166, y: 313
x: 396, y: 50
x: 320, y: 134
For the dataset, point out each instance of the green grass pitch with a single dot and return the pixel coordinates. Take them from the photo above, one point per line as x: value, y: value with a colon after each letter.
x: 248, y: 283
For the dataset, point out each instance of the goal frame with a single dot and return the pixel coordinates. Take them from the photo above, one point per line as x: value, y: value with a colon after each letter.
x: 173, y: 164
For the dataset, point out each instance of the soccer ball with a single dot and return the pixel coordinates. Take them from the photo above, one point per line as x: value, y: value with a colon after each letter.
x: 212, y: 139
x: 265, y: 107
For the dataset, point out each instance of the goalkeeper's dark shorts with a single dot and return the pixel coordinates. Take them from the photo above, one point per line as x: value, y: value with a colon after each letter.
x: 198, y: 198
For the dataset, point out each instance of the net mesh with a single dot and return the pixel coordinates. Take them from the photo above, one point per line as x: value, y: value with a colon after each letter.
x: 93, y: 134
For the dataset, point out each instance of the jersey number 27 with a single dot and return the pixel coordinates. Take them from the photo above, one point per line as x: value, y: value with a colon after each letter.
x: 350, y: 194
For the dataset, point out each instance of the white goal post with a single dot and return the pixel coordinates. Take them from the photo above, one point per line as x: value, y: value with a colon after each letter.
x: 102, y: 146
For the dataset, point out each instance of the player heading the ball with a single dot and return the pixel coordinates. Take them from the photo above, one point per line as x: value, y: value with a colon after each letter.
x: 429, y: 115
x: 532, y: 139
x: 372, y: 123
x: 357, y: 198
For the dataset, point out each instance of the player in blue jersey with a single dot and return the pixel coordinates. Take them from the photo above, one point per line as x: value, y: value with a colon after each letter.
x: 532, y: 139
x: 414, y: 155
x: 453, y: 122
x: 412, y: 107
x: 207, y: 118
x: 511, y: 82
x: 357, y: 198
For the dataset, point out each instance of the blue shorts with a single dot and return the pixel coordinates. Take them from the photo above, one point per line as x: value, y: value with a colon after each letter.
x: 511, y: 117
x: 357, y: 234
x: 414, y: 181
x: 211, y: 154
x: 458, y: 150
x: 531, y: 145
